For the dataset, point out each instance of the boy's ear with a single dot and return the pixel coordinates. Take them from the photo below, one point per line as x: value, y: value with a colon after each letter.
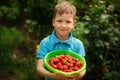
x: 53, y: 21
x: 74, y: 22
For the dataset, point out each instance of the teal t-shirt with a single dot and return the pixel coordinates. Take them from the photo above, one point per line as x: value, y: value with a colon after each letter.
x: 51, y: 43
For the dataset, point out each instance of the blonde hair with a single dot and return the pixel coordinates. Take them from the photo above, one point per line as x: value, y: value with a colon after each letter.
x: 64, y: 7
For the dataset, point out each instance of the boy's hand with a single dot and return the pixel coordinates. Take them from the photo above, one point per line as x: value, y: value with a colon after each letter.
x: 62, y: 77
x: 79, y: 76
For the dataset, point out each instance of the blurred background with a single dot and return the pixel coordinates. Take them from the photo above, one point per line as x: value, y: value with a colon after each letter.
x: 23, y: 23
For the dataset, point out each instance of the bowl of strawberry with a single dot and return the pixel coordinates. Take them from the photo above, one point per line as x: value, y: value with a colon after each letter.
x: 64, y: 62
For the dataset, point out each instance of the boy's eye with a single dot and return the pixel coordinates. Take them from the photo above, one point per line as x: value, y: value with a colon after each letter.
x: 59, y: 21
x: 68, y: 21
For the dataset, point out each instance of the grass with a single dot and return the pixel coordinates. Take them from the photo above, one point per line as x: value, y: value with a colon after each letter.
x: 19, y: 69
x: 16, y: 67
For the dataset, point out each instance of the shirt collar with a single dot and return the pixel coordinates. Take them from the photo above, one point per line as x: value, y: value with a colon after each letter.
x: 57, y: 41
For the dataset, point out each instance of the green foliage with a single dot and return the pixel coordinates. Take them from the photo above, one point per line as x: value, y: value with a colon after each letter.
x: 38, y: 11
x: 9, y: 38
x: 27, y: 68
x: 40, y: 31
x: 40, y: 17
x: 18, y: 68
x: 9, y: 10
x: 79, y: 31
x: 103, y: 40
x: 98, y: 28
x: 42, y: 10
x: 11, y: 13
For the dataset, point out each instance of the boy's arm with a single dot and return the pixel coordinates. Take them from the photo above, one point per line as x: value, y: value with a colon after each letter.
x: 41, y: 70
x: 45, y: 73
x: 80, y: 75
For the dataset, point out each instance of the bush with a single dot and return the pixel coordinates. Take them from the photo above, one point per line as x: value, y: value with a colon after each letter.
x: 9, y: 38
x: 98, y: 28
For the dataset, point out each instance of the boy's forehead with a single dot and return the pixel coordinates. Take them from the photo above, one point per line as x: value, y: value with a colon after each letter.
x: 65, y: 10
x: 69, y: 15
x: 66, y: 13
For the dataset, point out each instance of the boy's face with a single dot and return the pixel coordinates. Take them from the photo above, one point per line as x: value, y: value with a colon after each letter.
x: 63, y: 24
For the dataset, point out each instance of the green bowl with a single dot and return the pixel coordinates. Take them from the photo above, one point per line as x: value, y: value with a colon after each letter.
x: 58, y: 52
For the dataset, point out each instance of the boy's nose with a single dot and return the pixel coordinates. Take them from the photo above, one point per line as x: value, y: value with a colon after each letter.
x: 63, y: 24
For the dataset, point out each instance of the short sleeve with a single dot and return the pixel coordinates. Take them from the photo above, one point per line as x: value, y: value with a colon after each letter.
x: 80, y: 49
x: 42, y: 50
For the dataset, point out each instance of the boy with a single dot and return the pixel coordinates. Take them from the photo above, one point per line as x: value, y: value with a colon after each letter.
x: 61, y: 38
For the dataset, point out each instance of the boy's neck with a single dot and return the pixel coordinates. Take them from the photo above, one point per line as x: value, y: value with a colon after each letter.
x: 62, y: 38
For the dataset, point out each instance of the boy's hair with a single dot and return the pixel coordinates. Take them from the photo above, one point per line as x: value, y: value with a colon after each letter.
x: 64, y: 7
